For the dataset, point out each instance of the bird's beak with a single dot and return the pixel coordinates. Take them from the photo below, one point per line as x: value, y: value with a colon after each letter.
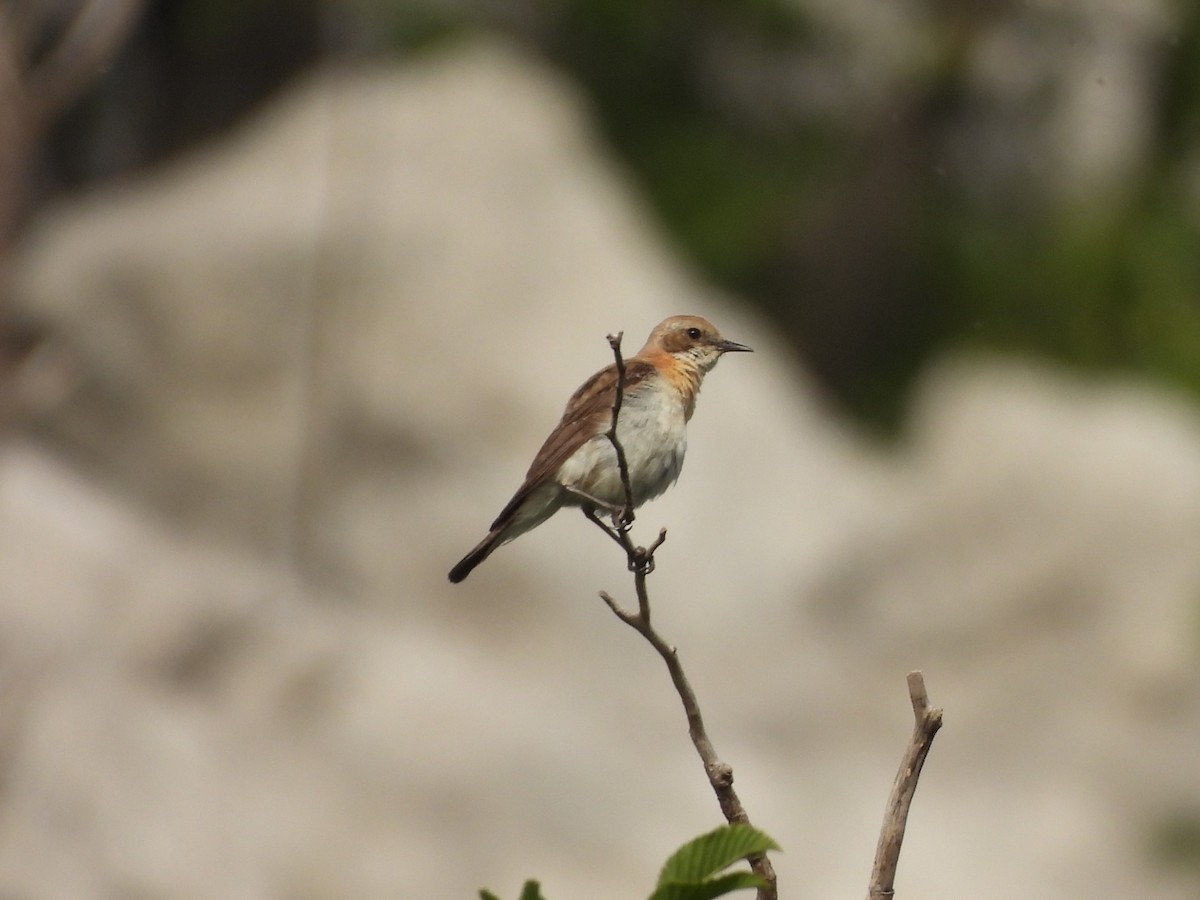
x: 733, y: 347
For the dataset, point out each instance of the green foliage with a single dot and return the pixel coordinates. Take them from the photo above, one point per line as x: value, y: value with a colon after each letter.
x: 712, y: 852
x: 709, y: 888
x: 693, y: 871
x: 1103, y: 289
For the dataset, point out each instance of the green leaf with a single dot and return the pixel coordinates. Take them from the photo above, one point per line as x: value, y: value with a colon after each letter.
x: 706, y: 890
x: 710, y: 853
x: 531, y: 891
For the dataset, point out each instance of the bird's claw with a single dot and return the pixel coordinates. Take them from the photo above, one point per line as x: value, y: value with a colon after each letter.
x: 623, y: 518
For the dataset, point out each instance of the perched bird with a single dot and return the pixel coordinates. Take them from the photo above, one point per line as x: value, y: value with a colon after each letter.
x: 577, y: 465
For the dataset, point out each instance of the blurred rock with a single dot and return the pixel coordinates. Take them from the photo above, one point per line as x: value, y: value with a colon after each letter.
x: 308, y: 367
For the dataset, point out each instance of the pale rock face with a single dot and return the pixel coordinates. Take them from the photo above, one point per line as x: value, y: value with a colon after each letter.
x: 315, y: 359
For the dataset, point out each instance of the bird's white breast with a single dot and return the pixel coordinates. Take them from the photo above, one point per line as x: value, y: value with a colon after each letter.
x: 652, y: 430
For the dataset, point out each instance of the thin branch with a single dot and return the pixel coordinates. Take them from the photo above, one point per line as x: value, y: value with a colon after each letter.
x: 614, y: 341
x: 927, y: 721
x: 641, y: 563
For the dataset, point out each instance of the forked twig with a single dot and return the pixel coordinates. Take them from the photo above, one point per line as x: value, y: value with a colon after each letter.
x: 927, y: 721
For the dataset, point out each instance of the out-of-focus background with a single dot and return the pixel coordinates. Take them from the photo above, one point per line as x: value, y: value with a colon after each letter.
x: 291, y: 291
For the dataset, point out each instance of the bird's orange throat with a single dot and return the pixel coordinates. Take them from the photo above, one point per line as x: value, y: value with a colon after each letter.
x: 683, y: 375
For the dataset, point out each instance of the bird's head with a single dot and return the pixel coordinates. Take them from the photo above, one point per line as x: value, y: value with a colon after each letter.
x: 690, y: 339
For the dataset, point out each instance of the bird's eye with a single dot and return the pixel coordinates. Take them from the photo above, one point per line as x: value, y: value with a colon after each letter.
x: 694, y: 333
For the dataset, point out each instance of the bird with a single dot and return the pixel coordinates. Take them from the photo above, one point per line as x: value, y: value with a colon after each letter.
x: 577, y: 465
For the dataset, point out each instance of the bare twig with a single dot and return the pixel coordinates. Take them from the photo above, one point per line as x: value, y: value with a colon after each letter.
x: 928, y: 720
x: 641, y: 563
x: 614, y: 341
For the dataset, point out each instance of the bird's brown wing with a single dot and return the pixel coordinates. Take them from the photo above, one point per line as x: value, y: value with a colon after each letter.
x: 588, y: 411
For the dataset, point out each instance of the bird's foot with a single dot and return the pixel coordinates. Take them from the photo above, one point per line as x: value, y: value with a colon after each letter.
x: 641, y: 561
x: 623, y: 518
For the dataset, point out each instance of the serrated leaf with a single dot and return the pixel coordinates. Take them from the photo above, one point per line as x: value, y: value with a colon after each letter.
x: 710, y: 853
x: 706, y: 890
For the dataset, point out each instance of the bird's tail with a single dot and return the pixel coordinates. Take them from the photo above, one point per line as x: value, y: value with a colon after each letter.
x: 481, y: 552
